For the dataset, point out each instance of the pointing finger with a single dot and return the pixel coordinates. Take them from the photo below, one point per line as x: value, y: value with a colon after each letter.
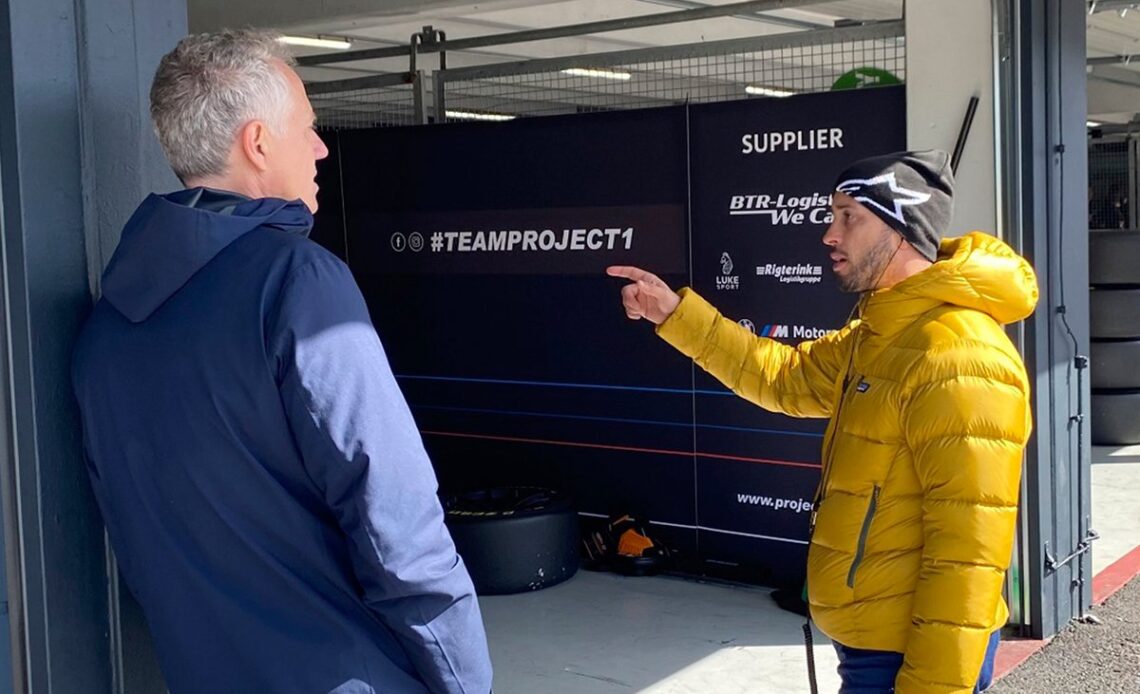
x: 628, y: 272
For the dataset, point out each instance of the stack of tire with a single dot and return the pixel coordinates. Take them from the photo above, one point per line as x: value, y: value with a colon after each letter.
x: 1114, y: 322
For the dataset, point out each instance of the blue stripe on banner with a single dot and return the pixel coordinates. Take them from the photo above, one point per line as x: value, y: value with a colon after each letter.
x: 619, y: 420
x: 551, y: 384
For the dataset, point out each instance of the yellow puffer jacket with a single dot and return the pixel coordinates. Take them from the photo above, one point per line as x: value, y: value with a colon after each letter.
x: 929, y: 403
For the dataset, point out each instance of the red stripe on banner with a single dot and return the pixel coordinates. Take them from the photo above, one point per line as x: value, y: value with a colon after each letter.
x: 631, y: 449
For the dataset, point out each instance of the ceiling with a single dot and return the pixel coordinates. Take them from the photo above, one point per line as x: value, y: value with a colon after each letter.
x: 462, y: 22
x: 1114, y: 89
x: 1113, y: 30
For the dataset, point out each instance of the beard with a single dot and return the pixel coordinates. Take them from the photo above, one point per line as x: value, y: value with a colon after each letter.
x: 865, y: 274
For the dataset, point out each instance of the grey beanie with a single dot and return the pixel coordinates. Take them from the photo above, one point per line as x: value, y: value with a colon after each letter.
x: 913, y: 192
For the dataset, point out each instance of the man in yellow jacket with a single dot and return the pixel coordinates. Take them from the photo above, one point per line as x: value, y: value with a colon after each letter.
x: 929, y: 406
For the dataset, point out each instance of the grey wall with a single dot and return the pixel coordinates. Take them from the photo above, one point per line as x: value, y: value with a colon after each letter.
x: 76, y: 155
x: 1045, y: 160
x: 942, y: 73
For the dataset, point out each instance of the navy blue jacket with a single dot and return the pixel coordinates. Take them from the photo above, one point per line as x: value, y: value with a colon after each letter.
x: 263, y: 483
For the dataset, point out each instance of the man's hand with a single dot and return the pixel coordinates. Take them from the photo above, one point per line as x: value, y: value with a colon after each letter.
x: 648, y: 297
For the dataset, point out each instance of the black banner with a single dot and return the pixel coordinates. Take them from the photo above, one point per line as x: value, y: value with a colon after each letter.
x: 761, y: 175
x: 512, y: 349
x: 481, y: 250
x: 545, y: 241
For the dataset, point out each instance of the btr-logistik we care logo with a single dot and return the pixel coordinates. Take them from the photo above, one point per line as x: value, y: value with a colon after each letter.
x: 784, y: 209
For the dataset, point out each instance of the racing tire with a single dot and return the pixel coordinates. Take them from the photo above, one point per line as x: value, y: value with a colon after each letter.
x: 514, y: 539
x: 1114, y: 313
x: 1116, y: 417
x: 1114, y: 257
x: 1115, y: 365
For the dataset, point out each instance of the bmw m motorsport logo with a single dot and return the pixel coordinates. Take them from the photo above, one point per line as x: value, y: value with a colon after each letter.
x: 798, y: 332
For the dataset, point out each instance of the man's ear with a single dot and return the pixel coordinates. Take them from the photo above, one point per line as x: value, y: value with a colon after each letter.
x: 253, y: 139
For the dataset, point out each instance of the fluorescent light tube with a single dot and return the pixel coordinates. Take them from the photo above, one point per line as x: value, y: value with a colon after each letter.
x: 317, y: 42
x: 603, y: 74
x: 472, y: 115
x: 766, y: 91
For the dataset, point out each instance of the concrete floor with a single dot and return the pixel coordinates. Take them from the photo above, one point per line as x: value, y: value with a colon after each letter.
x: 601, y: 633
x: 1115, y: 502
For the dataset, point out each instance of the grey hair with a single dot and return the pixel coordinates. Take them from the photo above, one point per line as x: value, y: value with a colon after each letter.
x: 211, y: 85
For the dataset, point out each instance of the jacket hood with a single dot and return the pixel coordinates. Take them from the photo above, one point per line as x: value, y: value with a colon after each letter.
x: 171, y: 237
x: 976, y: 271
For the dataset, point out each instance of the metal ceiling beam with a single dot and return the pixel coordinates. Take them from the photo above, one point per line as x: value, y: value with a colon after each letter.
x: 750, y: 16
x: 393, y: 79
x: 623, y: 24
x: 1127, y: 78
x: 1114, y: 59
x: 302, y: 15
x: 1111, y: 5
x: 791, y: 39
x: 1131, y: 129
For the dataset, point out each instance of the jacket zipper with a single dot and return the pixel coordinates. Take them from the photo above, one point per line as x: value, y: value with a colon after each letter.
x: 829, y: 443
x: 863, y: 532
x: 828, y: 450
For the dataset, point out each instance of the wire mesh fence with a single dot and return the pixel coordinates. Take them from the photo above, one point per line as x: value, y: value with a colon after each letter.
x: 383, y: 101
x: 762, y: 66
x: 1112, y: 181
x: 765, y: 66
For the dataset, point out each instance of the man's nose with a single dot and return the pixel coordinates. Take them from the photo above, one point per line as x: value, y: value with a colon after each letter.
x: 831, y: 236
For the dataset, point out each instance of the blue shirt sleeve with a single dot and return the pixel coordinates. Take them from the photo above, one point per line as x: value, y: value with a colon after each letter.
x: 362, y: 449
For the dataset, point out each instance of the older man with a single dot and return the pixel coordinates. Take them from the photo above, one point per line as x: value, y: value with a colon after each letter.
x: 929, y: 409
x: 263, y: 484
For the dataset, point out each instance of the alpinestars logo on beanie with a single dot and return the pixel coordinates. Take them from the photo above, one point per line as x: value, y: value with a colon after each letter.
x: 912, y: 192
x: 870, y: 191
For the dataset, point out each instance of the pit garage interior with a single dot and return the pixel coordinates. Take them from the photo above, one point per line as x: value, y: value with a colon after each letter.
x: 446, y: 112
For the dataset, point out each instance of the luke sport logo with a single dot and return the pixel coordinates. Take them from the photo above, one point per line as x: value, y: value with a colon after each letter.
x: 727, y: 281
